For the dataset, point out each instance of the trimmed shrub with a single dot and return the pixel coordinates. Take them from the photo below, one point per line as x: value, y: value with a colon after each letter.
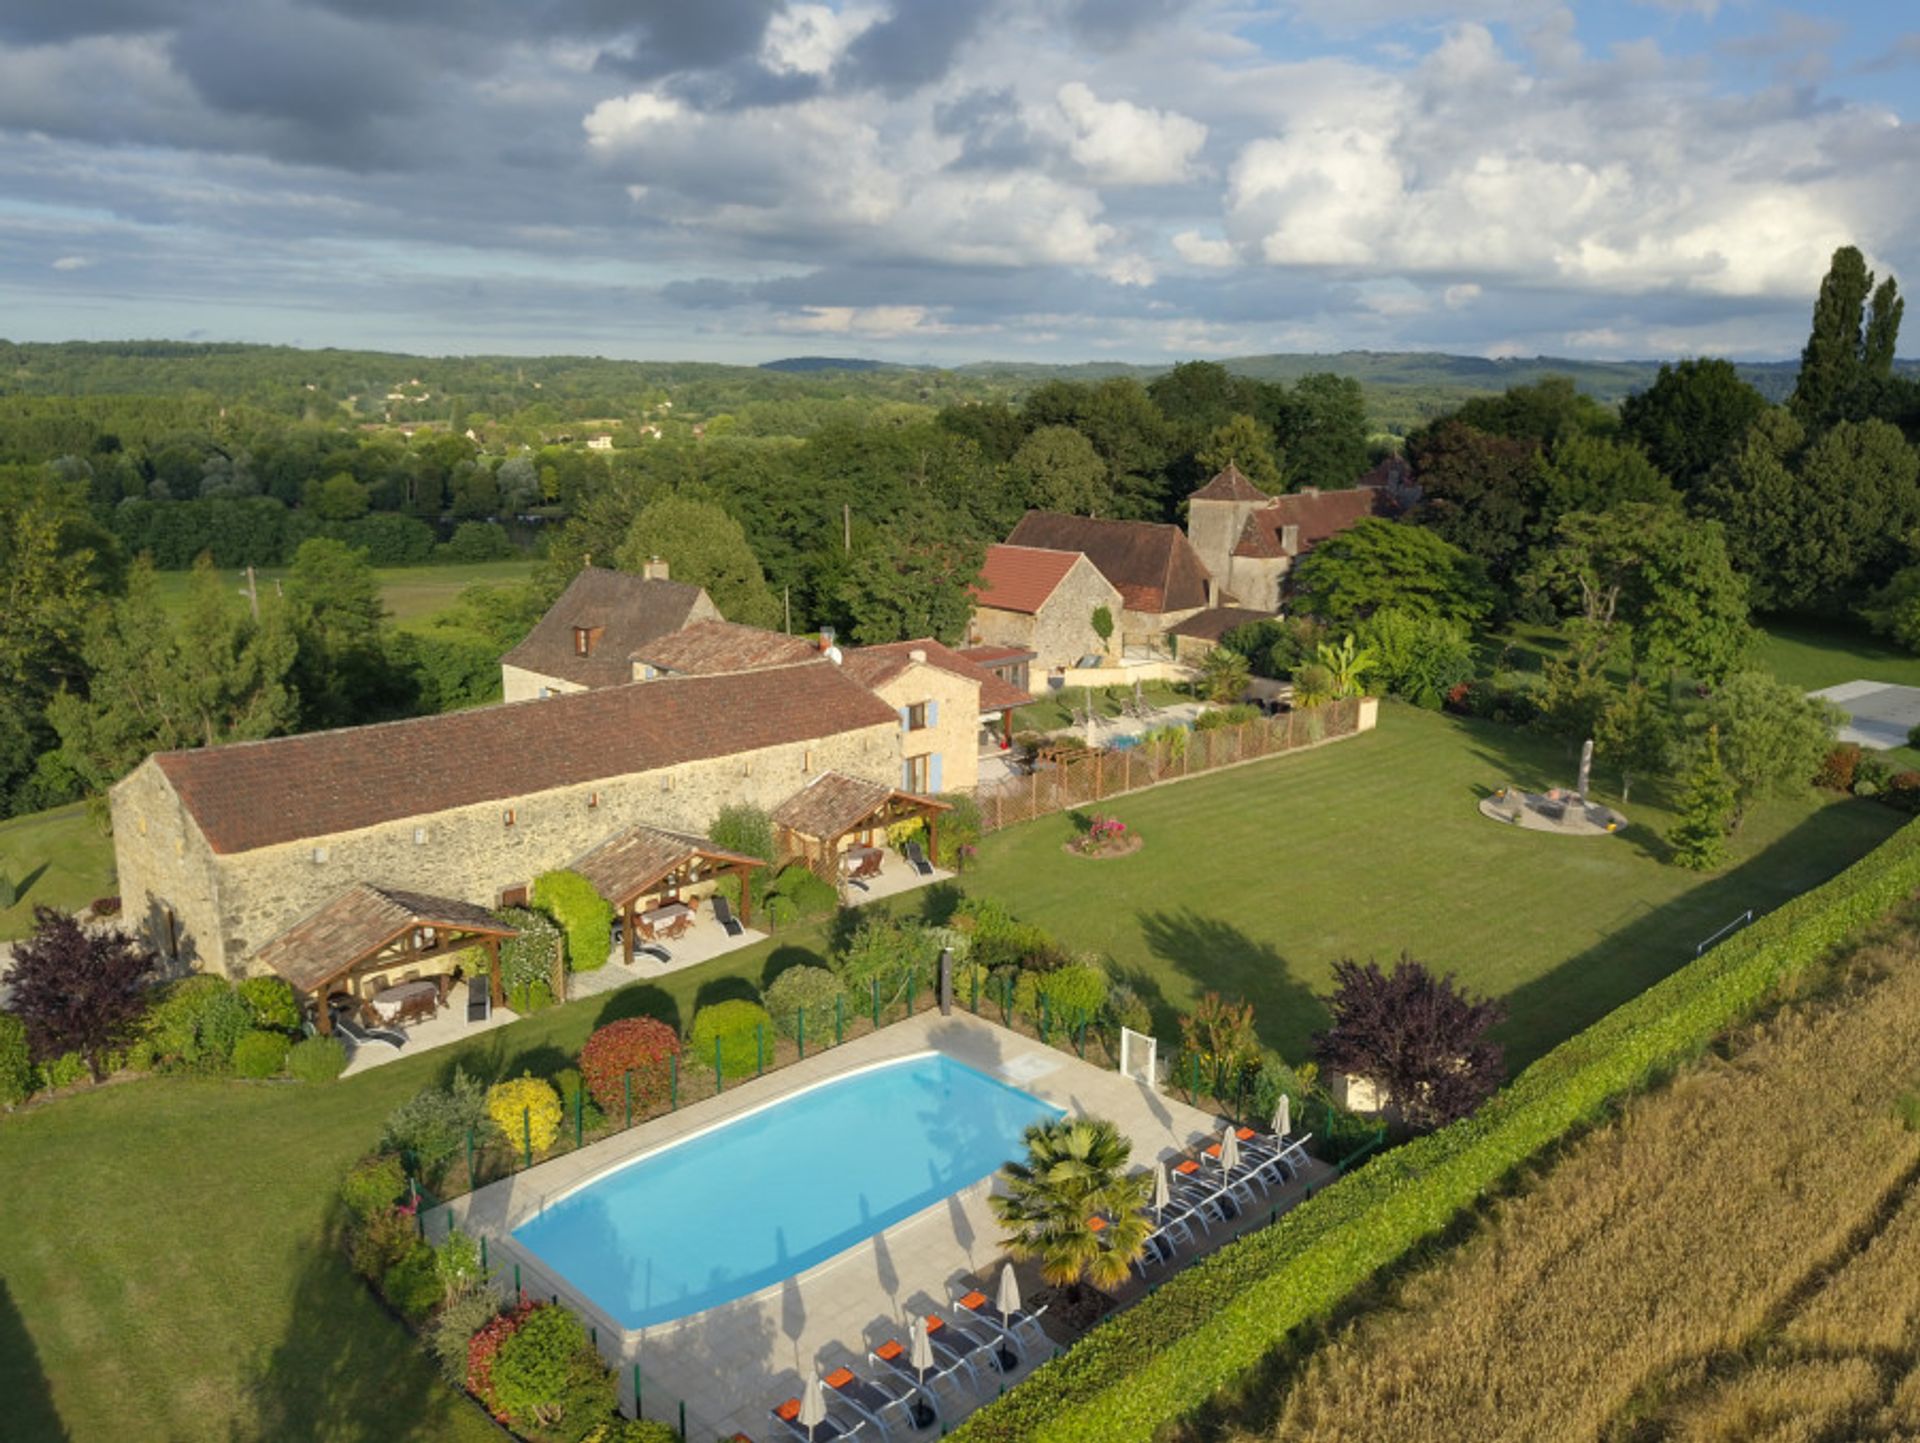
x: 741, y: 1029
x: 476, y: 541
x: 65, y: 1070
x: 386, y: 1237
x: 814, y: 988
x: 637, y: 1045
x: 1837, y: 771
x: 1126, y: 1008
x: 271, y: 1003
x: 372, y: 1184
x: 413, y: 1284
x: 317, y: 1059
x: 528, y: 958
x: 484, y: 1348
x: 583, y: 914
x: 16, y: 1063
x: 1903, y: 792
x: 1209, y: 1325
x: 540, y: 1365
x: 744, y: 829
x: 261, y: 1054
x: 805, y: 892
x: 197, y: 1021
x: 960, y: 831
x: 451, y: 1336
x: 430, y: 1129
x: 1073, y: 993
x: 1870, y: 776
x: 524, y: 1108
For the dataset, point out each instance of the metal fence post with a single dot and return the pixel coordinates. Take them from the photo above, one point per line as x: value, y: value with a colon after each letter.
x: 628, y: 1076
x: 518, y: 1296
x: 683, y: 1420
x: 719, y: 1082
x: 800, y: 1031
x: 912, y: 978
x: 483, y: 1250
x: 976, y: 990
x: 526, y: 1132
x: 470, y: 1181
x: 1080, y: 1038
x: 673, y: 1081
x: 876, y: 1002
x: 759, y: 1049
x: 636, y: 1392
x: 839, y: 1019
x: 580, y: 1115
x: 1046, y: 1017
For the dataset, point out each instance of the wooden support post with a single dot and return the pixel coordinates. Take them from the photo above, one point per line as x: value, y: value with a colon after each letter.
x: 323, y: 1014
x: 745, y: 874
x: 495, y: 987
x: 626, y: 932
x: 933, y: 838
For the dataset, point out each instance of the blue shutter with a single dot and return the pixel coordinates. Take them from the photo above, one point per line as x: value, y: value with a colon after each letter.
x: 933, y: 775
x: 933, y: 714
x: 905, y: 722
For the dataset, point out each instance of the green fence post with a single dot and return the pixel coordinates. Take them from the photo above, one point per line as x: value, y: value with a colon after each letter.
x: 1080, y: 1038
x: 912, y: 977
x: 975, y: 971
x: 683, y: 1420
x: 759, y: 1049
x: 580, y: 1114
x: 1193, y: 1076
x: 636, y: 1392
x: 526, y: 1132
x: 483, y: 1254
x: 800, y: 1030
x: 628, y: 1076
x: 876, y: 1002
x: 673, y: 1081
x: 518, y: 1296
x: 840, y: 1019
x: 719, y: 1082
x: 1006, y: 1002
x: 1046, y: 1017
x: 470, y: 1182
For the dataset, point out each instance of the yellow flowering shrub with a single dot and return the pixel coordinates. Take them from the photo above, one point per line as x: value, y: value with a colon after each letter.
x: 523, y: 1104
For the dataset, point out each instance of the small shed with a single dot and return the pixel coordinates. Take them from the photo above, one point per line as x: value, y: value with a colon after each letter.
x: 646, y: 860
x: 367, y: 930
x: 835, y: 811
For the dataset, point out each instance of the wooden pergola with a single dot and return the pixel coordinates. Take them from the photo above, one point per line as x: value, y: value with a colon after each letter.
x: 374, y: 929
x: 645, y: 860
x: 814, y: 821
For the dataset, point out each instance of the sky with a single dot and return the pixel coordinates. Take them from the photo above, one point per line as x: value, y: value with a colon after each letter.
x: 951, y: 180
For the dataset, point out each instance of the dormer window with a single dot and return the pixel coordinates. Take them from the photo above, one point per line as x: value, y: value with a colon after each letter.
x: 585, y: 638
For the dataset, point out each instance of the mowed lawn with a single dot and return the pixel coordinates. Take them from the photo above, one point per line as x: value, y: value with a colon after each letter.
x: 412, y: 593
x: 1255, y: 880
x: 58, y: 858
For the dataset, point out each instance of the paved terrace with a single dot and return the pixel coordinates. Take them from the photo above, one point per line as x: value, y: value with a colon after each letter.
x: 731, y: 1363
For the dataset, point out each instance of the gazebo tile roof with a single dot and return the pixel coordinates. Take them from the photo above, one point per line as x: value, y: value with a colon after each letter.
x: 360, y: 921
x: 833, y: 804
x: 628, y: 863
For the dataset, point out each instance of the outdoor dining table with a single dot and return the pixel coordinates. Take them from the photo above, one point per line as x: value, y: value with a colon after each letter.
x: 854, y: 856
x: 666, y: 913
x: 390, y: 1002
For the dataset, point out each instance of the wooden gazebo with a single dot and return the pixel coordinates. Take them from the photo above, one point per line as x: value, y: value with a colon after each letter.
x: 645, y: 860
x: 370, y: 929
x: 817, y: 819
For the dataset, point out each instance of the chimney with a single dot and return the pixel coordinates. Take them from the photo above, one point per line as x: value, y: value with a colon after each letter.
x: 919, y: 654
x: 655, y: 569
x: 826, y: 638
x: 1290, y: 540
x: 1309, y: 490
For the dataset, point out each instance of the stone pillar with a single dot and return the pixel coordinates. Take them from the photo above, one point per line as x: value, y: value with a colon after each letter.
x: 946, y: 981
x: 1586, y: 767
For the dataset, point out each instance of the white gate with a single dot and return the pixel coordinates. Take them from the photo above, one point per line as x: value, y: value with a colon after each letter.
x: 1140, y: 1058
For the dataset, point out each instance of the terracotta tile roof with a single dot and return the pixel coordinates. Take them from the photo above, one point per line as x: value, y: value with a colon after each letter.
x: 256, y: 794
x: 873, y: 666
x: 1021, y: 578
x: 1216, y: 622
x: 833, y: 804
x: 631, y: 863
x: 1153, y: 565
x: 1229, y: 485
x: 710, y: 647
x: 632, y: 610
x: 996, y: 655
x: 1318, y: 514
x: 359, y: 922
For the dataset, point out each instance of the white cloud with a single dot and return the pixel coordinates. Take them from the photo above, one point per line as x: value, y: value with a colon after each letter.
x: 1129, y: 270
x: 626, y: 118
x: 1464, y: 294
x: 875, y: 322
x: 72, y: 263
x: 807, y: 39
x: 1120, y: 143
x: 1199, y: 250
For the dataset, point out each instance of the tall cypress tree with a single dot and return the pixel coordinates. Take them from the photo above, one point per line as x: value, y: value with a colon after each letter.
x: 1883, y: 331
x: 1830, y: 364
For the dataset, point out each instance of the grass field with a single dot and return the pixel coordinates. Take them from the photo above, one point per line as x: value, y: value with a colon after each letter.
x: 1256, y: 879
x: 58, y: 858
x: 1732, y: 1260
x: 412, y: 593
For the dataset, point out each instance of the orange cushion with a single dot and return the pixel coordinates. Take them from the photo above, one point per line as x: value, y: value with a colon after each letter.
x: 788, y: 1410
x: 1188, y: 1166
x: 839, y: 1377
x: 1214, y: 1151
x: 889, y: 1350
x: 934, y: 1325
x: 973, y: 1300
x: 1096, y: 1225
x: 1245, y: 1133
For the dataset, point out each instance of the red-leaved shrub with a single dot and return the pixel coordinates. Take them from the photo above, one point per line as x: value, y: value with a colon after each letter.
x: 1836, y: 772
x: 640, y: 1045
x: 1903, y: 792
x: 485, y: 1346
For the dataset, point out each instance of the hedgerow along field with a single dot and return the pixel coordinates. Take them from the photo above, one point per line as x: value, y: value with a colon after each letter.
x: 412, y: 594
x: 1734, y: 1257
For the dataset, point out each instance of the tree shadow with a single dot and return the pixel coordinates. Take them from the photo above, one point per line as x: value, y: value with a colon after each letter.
x: 25, y: 885
x: 346, y: 1371
x: 939, y: 902
x: 1219, y: 957
x: 641, y: 1000
x: 786, y: 957
x: 725, y: 989
x: 31, y: 1415
x: 493, y: 1058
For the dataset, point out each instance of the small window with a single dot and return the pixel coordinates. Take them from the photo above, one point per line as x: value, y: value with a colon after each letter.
x: 419, y: 836
x: 545, y: 692
x: 513, y: 896
x: 320, y: 854
x: 584, y: 638
x: 917, y: 717
x: 507, y: 816
x: 593, y: 801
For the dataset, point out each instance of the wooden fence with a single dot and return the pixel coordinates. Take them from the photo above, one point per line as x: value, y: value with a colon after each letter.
x: 1104, y: 774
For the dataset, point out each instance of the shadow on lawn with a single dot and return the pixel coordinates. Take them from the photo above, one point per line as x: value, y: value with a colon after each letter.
x: 346, y: 1371
x: 1221, y: 958
x: 31, y: 1416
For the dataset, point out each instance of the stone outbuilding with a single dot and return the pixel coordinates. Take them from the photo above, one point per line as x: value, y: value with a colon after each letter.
x: 1041, y: 602
x: 1161, y: 578
x: 1250, y: 541
x: 587, y: 638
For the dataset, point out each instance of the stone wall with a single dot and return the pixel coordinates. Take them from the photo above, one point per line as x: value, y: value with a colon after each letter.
x: 1063, y: 632
x: 1255, y: 581
x: 954, y: 737
x: 1214, y: 528
x: 230, y: 906
x: 519, y: 684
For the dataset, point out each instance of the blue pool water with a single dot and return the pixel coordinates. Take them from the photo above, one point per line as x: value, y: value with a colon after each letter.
x: 771, y: 1194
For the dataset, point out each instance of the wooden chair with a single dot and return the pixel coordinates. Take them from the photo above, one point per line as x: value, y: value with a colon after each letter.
x: 642, y: 927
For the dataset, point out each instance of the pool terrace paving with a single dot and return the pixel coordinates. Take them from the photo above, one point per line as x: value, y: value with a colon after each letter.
x: 731, y: 1363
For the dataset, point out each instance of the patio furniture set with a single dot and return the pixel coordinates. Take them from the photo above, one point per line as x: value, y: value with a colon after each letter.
x: 379, y: 1017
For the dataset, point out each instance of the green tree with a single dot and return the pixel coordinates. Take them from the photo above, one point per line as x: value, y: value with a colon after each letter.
x: 1479, y: 492
x: 1323, y: 432
x: 1691, y: 418
x: 1417, y: 658
x: 1057, y: 469
x: 213, y: 676
x: 1075, y: 1171
x: 1770, y: 737
x: 1592, y: 473
x: 338, y: 498
x: 707, y: 547
x: 1833, y: 362
x: 1223, y: 674
x: 1635, y: 734
x: 1376, y: 563
x: 1242, y: 441
x: 1102, y: 623
x: 911, y: 580
x: 341, y: 668
x: 1699, y: 836
x: 1545, y: 413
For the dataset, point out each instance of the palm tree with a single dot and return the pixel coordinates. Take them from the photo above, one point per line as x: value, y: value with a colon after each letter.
x: 1223, y: 675
x: 1073, y: 1205
x: 1347, y: 664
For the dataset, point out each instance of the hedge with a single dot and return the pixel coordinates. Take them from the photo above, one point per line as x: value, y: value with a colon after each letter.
x: 583, y: 913
x: 1211, y: 1324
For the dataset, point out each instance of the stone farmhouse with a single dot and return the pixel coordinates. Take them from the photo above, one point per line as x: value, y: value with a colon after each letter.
x: 1160, y: 577
x: 1249, y: 540
x: 588, y: 637
x: 1037, y: 605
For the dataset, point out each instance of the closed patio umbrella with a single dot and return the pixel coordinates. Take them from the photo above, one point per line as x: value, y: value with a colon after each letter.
x: 1229, y: 1150
x: 813, y: 1405
x: 920, y: 1348
x: 1283, y: 1117
x: 1008, y: 1301
x: 1162, y: 1191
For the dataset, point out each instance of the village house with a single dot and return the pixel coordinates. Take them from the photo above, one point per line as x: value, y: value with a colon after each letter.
x: 1160, y: 577
x: 587, y: 638
x: 1038, y: 604
x: 1250, y: 541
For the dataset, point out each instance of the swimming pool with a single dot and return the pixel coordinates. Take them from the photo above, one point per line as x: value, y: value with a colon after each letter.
x: 756, y: 1200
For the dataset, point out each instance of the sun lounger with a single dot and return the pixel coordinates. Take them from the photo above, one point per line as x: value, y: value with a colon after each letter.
x: 917, y: 859
x: 873, y: 1402
x: 723, y: 914
x: 969, y: 1347
x: 360, y: 1036
x: 892, y: 1357
x: 976, y: 1304
x: 787, y: 1415
x: 1238, y: 1184
x: 1200, y: 1192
